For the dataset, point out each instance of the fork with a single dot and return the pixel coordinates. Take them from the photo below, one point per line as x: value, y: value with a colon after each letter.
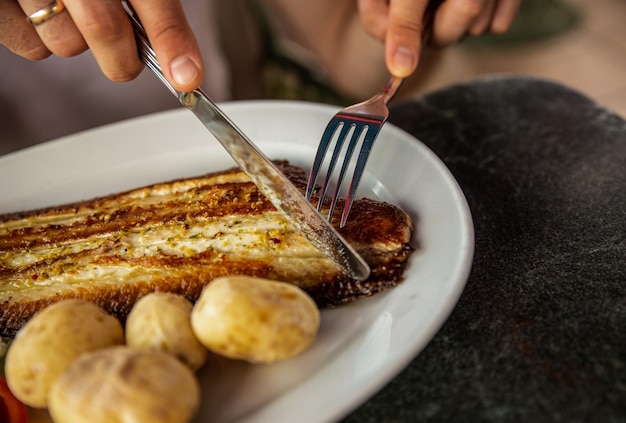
x: 364, y: 121
x: 359, y: 122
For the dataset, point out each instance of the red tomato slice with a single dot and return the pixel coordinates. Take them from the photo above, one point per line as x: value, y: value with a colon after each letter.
x: 11, y: 409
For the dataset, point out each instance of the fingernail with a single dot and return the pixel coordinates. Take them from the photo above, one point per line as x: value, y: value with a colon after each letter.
x: 404, y: 59
x: 184, y: 70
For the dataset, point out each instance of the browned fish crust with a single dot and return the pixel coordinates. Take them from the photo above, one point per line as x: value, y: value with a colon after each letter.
x: 177, y: 237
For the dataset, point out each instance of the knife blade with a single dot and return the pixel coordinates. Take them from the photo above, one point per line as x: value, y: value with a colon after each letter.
x: 275, y: 185
x: 260, y: 169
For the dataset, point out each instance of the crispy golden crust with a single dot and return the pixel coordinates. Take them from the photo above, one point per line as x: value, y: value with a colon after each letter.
x: 177, y: 237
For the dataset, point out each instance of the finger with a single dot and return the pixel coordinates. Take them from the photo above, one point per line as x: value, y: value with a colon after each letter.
x: 59, y: 34
x: 453, y: 20
x: 482, y: 23
x: 374, y: 17
x: 17, y: 35
x: 403, y: 41
x: 107, y: 31
x: 173, y: 41
x: 504, y: 15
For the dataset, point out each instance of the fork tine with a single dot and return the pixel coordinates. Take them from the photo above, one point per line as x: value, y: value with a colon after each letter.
x: 358, y: 130
x: 345, y: 128
x: 320, y: 155
x: 366, y: 147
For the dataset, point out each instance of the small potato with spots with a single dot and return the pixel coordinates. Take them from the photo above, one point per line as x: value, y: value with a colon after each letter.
x: 253, y: 319
x: 161, y: 321
x: 50, y: 341
x: 124, y: 384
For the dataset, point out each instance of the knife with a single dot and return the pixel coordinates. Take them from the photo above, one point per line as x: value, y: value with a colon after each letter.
x: 262, y: 171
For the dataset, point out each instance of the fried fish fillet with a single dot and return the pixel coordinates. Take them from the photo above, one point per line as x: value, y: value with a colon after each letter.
x: 177, y: 237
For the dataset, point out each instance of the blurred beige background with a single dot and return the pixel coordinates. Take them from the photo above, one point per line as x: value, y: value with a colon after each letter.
x: 579, y: 43
x: 588, y: 52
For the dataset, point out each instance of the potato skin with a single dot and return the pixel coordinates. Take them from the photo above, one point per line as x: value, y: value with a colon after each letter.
x: 253, y: 319
x: 121, y: 383
x: 161, y: 321
x: 50, y: 341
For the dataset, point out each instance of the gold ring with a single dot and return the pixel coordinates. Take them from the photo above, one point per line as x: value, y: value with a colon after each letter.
x: 46, y: 13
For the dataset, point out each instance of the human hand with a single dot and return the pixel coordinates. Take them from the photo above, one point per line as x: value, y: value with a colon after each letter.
x: 400, y: 24
x: 103, y: 27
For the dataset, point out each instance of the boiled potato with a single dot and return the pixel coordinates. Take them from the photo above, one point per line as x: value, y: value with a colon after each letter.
x: 254, y: 319
x: 124, y: 384
x: 50, y: 341
x: 162, y: 321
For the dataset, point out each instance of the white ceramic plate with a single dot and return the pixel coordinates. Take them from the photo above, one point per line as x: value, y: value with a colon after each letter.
x: 361, y: 346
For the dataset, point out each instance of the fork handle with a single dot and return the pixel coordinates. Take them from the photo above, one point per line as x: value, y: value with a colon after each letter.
x: 391, y: 88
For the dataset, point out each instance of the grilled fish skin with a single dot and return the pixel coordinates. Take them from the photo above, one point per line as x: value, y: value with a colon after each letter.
x: 177, y: 237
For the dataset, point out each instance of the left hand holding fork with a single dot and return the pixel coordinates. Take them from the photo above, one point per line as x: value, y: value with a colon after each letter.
x: 401, y: 23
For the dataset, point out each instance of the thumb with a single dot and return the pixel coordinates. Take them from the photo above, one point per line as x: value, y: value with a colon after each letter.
x: 410, y: 25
